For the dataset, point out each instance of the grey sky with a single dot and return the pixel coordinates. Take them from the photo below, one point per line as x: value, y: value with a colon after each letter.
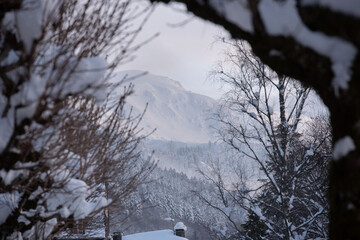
x: 184, y: 53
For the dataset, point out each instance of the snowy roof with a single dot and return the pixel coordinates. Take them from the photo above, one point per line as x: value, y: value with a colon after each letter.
x: 180, y: 225
x: 154, y: 235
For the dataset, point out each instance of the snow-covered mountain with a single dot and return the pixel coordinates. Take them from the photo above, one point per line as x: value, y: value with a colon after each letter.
x: 182, y: 144
x: 177, y: 114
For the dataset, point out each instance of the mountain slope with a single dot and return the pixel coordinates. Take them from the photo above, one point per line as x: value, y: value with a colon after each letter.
x: 177, y: 114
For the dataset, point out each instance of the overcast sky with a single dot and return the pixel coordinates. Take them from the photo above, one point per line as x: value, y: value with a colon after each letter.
x: 184, y: 53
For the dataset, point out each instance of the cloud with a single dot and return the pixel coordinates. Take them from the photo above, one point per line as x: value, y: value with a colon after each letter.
x: 185, y: 53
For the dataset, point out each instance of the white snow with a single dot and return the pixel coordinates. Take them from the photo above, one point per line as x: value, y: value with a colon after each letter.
x: 350, y: 7
x: 49, y: 226
x: 177, y: 114
x: 88, y: 79
x: 11, y: 58
x: 23, y: 219
x: 73, y: 200
x: 274, y: 52
x: 271, y: 110
x: 342, y: 147
x: 29, y: 25
x: 281, y: 18
x: 180, y: 225
x: 86, y: 76
x: 6, y: 126
x: 273, y: 181
x: 236, y: 12
x: 89, y: 76
x: 253, y: 115
x: 70, y: 198
x: 258, y: 212
x: 28, y: 22
x: 154, y: 235
x: 11, y: 175
x: 309, y: 152
x: 8, y: 202
x: 67, y: 75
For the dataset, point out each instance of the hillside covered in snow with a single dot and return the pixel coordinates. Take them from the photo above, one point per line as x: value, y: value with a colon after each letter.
x: 182, y: 143
x: 175, y: 113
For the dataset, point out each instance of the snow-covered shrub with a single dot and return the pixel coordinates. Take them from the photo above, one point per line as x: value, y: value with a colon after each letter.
x: 51, y: 50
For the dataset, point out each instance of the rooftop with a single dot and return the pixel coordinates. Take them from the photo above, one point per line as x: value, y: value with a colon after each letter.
x: 154, y: 235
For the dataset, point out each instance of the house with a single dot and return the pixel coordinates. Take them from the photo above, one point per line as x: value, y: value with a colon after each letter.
x: 154, y: 235
x: 98, y: 234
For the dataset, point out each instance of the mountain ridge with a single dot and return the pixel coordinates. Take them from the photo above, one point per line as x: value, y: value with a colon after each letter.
x: 175, y: 113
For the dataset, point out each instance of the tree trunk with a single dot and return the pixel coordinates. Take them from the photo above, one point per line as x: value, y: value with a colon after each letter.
x: 345, y: 171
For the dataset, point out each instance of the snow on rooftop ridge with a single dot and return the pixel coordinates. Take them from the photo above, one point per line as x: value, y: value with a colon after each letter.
x: 154, y: 235
x: 179, y: 226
